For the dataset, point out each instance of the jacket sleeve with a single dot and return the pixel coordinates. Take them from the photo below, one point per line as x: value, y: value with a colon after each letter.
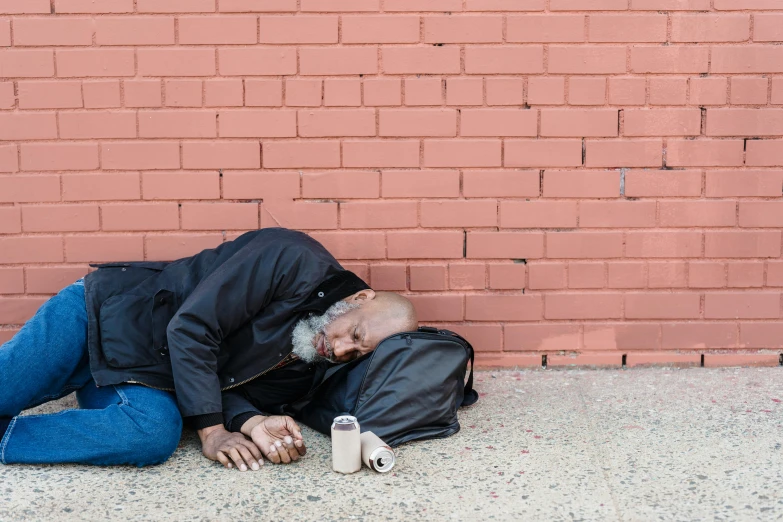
x: 235, y: 292
x: 237, y: 410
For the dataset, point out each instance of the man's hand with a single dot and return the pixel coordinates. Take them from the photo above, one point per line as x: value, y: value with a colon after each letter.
x: 231, y: 449
x: 278, y: 437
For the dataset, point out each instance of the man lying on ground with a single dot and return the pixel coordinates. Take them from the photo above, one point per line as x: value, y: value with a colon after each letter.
x: 217, y: 338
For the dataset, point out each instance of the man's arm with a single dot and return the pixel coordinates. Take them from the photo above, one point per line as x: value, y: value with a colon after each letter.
x: 227, y: 299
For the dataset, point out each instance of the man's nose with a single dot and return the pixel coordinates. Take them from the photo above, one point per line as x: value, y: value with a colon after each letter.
x: 339, y: 347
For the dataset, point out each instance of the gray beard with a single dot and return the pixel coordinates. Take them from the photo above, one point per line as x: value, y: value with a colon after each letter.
x: 308, y: 328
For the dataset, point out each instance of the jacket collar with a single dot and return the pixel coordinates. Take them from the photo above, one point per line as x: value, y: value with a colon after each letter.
x: 334, y: 288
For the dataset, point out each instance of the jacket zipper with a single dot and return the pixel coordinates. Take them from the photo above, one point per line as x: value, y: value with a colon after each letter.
x: 286, y: 359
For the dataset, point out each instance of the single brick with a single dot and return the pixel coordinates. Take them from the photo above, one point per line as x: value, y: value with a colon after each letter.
x: 547, y: 276
x: 464, y: 91
x: 428, y: 277
x: 743, y: 243
x: 542, y: 153
x: 586, y: 275
x: 361, y: 29
x: 663, y: 183
x: 467, y: 276
x: 298, y: 29
x: 463, y: 29
x: 706, y: 274
x: 500, y: 183
x: 616, y: 214
x: 342, y: 92
x: 749, y: 91
x: 624, y: 153
x: 509, y: 59
x: 587, y: 91
x: 586, y: 59
x: 538, y: 214
x: 257, y: 123
x: 382, y: 92
x: 547, y: 90
x: 627, y: 91
x: 670, y: 59
x: 101, y: 94
x: 65, y: 31
x: 183, y: 93
x: 420, y: 183
x: 662, y: 122
x: 581, y: 184
x: 617, y: 28
x: 708, y: 91
x: 250, y: 61
x: 320, y: 61
x: 96, y: 62
x: 459, y: 213
x: 417, y: 122
x: 505, y: 91
x: 505, y: 245
x: 668, y: 91
x: 697, y: 213
x: 710, y: 28
x: 549, y: 28
x: 135, y: 30
x: 663, y: 244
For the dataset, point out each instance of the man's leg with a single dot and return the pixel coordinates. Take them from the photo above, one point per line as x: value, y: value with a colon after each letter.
x: 47, y: 358
x: 123, y: 424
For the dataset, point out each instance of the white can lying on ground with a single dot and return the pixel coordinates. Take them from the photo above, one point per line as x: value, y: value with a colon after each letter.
x: 376, y: 454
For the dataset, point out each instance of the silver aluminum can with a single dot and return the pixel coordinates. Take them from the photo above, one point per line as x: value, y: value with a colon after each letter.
x: 376, y: 454
x: 346, y: 445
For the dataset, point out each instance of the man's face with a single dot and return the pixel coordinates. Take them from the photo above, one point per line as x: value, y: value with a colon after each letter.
x: 345, y: 332
x: 313, y: 336
x: 346, y: 338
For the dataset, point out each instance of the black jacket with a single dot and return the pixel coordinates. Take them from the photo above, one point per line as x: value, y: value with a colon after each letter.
x: 206, y: 324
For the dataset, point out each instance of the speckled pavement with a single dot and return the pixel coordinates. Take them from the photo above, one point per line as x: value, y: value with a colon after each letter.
x: 630, y: 445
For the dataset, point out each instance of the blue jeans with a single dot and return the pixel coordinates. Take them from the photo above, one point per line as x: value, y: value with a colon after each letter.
x: 46, y: 360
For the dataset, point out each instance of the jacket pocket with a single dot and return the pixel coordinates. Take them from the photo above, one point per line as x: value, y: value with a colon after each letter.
x: 126, y: 331
x: 163, y: 309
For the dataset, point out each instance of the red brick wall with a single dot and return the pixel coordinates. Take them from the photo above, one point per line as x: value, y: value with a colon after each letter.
x: 600, y: 177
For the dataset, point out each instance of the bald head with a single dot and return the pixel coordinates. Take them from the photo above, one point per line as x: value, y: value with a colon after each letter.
x: 397, y: 310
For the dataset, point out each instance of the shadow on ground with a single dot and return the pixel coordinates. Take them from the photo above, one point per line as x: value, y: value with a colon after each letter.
x: 658, y: 444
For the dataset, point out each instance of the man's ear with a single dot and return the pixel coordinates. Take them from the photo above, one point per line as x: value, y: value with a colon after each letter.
x: 361, y: 296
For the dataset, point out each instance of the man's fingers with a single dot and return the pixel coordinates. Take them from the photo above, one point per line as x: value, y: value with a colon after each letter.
x: 300, y: 447
x: 251, y: 461
x: 223, y: 459
x: 288, y: 446
x: 283, y: 452
x: 293, y: 427
x: 251, y: 446
x: 237, y: 458
x: 272, y: 454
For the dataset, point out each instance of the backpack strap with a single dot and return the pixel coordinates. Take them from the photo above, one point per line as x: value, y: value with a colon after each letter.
x: 469, y: 396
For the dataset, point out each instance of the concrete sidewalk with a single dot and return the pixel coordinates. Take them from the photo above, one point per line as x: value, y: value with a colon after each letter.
x: 655, y: 444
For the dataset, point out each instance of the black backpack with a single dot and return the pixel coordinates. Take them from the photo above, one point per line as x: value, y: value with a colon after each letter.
x: 408, y: 388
